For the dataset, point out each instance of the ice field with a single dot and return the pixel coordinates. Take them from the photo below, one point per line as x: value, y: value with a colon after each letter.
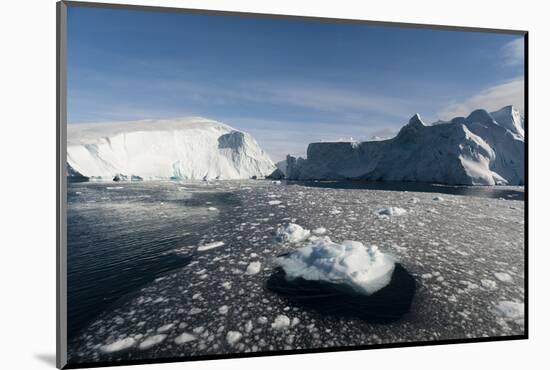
x: 180, y: 269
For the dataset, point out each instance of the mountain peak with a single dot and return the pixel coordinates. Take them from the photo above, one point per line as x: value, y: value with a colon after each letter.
x: 416, y: 120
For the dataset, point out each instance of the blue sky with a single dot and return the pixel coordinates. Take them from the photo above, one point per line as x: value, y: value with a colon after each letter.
x: 288, y: 82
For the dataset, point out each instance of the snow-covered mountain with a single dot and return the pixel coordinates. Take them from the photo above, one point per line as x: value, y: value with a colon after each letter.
x: 481, y: 149
x: 185, y: 148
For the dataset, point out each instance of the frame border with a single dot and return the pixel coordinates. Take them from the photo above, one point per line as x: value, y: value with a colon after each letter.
x: 61, y: 186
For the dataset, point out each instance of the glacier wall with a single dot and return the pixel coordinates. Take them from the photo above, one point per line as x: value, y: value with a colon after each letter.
x: 186, y: 148
x: 481, y: 149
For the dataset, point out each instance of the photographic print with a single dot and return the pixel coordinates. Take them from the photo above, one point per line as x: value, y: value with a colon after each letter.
x: 241, y: 184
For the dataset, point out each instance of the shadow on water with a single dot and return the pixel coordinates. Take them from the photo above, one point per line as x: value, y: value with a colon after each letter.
x: 509, y: 193
x: 386, y: 305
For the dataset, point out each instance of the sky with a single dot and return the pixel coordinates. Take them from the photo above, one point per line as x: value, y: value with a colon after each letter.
x: 288, y: 82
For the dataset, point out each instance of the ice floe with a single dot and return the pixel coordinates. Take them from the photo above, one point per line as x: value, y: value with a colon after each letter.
x: 390, y: 211
x: 152, y: 341
x: 510, y: 310
x: 281, y: 322
x: 504, y: 277
x: 320, y: 231
x: 185, y: 338
x: 119, y: 345
x: 253, y: 268
x: 291, y: 233
x: 209, y: 246
x: 364, y: 268
x: 233, y: 337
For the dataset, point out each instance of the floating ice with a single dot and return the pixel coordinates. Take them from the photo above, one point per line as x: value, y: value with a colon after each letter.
x: 115, y: 187
x: 320, y: 231
x: 274, y: 202
x: 440, y: 199
x: 233, y: 337
x: 363, y: 268
x: 165, y: 328
x: 281, y: 322
x: 276, y: 182
x: 489, y: 284
x: 212, y: 209
x: 253, y: 268
x: 291, y: 233
x: 194, y: 311
x: 504, y: 277
x: 223, y: 309
x: 209, y: 246
x: 185, y: 338
x: 152, y: 341
x: 390, y: 211
x: 509, y: 310
x: 119, y: 345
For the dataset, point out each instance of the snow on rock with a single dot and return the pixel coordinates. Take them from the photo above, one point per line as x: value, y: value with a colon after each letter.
x: 509, y: 310
x: 439, y: 199
x: 119, y: 345
x: 233, y: 337
x: 282, y: 322
x: 291, y: 233
x: 152, y: 341
x: 364, y: 268
x: 481, y: 149
x: 253, y: 268
x: 390, y: 211
x: 184, y: 338
x: 209, y: 246
x: 183, y: 148
x: 504, y: 277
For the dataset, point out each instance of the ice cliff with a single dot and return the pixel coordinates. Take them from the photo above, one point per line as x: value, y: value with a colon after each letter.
x: 186, y: 148
x: 481, y: 149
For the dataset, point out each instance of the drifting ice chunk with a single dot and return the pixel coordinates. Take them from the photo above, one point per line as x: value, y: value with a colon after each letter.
x: 233, y: 337
x: 390, y: 211
x: 274, y: 202
x: 152, y: 341
x: 504, y: 277
x: 165, y: 328
x: 363, y: 268
x: 510, y: 310
x: 223, y: 310
x: 209, y: 246
x: 320, y: 231
x: 291, y: 233
x: 253, y: 268
x: 118, y: 345
x: 281, y: 322
x: 184, y: 338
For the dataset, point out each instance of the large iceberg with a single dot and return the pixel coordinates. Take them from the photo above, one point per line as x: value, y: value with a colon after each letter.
x: 481, y: 149
x: 185, y: 148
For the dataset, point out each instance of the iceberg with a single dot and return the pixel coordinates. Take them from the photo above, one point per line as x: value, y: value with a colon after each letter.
x: 481, y: 149
x: 363, y: 268
x: 185, y: 148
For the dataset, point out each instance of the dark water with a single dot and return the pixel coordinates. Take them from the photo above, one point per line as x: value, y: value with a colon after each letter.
x: 505, y: 192
x: 118, y: 239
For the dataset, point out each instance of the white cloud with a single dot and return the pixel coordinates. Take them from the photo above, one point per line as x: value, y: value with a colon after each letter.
x: 513, y: 52
x: 490, y: 99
